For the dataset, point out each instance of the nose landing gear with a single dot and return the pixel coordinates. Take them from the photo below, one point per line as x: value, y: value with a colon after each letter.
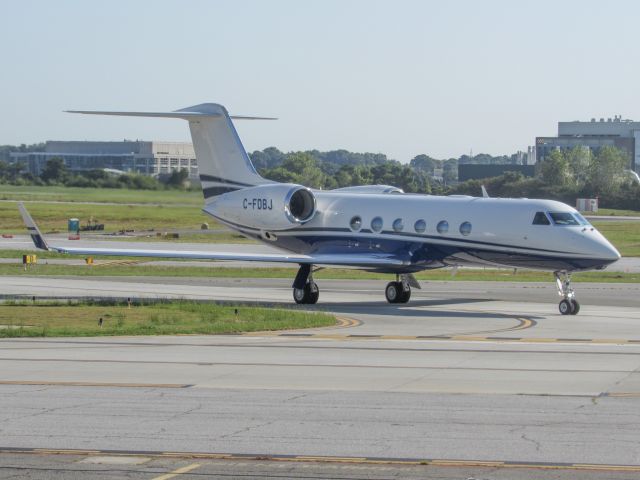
x: 568, y: 305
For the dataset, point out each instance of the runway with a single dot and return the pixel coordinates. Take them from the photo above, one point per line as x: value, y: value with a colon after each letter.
x: 463, y: 375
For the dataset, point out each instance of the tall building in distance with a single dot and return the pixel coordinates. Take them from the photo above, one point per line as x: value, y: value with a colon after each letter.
x: 616, y: 132
x: 147, y: 158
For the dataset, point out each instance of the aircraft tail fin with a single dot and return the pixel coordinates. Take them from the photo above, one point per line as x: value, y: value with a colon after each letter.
x: 223, y: 163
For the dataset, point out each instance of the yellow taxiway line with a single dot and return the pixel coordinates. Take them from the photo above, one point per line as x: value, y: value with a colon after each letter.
x: 440, y: 462
x: 177, y: 471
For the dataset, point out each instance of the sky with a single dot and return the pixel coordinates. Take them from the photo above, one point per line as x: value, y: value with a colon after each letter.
x: 402, y: 77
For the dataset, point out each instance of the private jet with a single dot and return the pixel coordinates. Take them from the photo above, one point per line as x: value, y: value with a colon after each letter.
x: 375, y: 227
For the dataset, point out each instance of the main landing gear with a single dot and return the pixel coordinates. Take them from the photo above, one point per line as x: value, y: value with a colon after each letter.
x: 305, y: 290
x: 400, y: 290
x: 397, y: 292
x: 568, y: 305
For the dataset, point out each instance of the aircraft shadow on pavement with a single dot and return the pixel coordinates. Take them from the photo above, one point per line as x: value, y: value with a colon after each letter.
x: 417, y: 309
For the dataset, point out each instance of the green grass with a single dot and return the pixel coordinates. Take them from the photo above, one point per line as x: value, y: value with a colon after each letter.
x: 110, y: 195
x: 75, y: 319
x: 625, y: 236
x: 218, y: 271
x: 54, y: 216
x: 614, y: 212
x: 227, y: 236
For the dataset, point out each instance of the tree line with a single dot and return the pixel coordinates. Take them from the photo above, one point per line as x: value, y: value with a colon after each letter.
x: 55, y: 172
x: 564, y: 175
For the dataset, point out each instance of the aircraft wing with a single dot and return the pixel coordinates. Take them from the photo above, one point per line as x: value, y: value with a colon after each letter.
x: 369, y: 260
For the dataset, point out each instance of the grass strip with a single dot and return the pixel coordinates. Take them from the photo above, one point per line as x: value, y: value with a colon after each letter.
x: 625, y: 236
x: 81, y: 318
x: 54, y: 216
x: 106, y: 195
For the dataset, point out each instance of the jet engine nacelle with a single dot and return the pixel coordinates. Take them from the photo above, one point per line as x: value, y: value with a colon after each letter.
x: 278, y: 206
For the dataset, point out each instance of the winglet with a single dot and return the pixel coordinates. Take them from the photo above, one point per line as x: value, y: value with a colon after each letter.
x: 34, y: 231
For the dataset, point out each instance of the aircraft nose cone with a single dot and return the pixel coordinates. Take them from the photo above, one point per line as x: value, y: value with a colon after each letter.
x: 613, y: 253
x: 607, y: 252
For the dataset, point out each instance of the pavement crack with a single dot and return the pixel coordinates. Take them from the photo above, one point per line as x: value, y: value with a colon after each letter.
x: 531, y: 440
x: 185, y: 412
x: 45, y: 411
x: 246, y: 429
x: 296, y: 397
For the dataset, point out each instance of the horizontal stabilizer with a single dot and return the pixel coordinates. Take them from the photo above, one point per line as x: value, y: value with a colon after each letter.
x: 182, y: 115
x: 185, y: 115
x: 208, y: 110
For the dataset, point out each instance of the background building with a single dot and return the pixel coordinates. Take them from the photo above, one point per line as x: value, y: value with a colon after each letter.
x: 474, y: 171
x: 147, y: 158
x: 616, y: 132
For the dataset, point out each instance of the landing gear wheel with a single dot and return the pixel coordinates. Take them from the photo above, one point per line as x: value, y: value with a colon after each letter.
x: 405, y: 296
x: 393, y: 292
x: 307, y: 295
x: 299, y: 295
x: 568, y: 305
x: 565, y: 307
x: 575, y: 307
x: 314, y: 293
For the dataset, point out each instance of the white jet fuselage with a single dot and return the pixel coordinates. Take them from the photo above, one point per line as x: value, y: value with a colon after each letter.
x: 423, y: 230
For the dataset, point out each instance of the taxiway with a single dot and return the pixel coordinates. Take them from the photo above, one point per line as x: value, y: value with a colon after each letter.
x: 466, y: 372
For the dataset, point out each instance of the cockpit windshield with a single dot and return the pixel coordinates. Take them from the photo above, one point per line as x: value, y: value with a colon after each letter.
x: 581, y: 219
x: 563, y: 218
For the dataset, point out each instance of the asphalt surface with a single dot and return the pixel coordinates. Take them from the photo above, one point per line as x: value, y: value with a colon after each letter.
x: 466, y: 373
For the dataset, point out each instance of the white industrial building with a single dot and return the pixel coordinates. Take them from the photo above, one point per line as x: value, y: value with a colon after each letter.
x: 623, y: 134
x: 147, y: 158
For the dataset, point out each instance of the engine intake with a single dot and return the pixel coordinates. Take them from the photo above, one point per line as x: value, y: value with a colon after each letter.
x: 300, y: 205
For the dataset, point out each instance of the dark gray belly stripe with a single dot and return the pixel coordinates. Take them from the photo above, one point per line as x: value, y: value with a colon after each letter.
x: 211, y: 178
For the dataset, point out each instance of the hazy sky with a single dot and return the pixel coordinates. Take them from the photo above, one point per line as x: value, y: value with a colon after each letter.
x: 396, y: 77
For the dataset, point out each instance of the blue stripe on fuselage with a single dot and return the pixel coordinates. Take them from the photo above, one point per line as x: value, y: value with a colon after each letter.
x: 428, y: 255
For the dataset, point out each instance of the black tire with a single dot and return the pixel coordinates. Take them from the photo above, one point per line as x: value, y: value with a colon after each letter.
x: 393, y: 292
x: 314, y: 293
x: 404, y: 296
x: 300, y: 295
x: 565, y: 307
x: 306, y: 296
x: 575, y: 307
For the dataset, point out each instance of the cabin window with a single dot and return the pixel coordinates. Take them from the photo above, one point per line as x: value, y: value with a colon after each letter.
x: 398, y: 225
x: 420, y: 226
x: 541, y: 219
x: 465, y: 228
x: 376, y: 224
x: 563, y: 218
x: 442, y: 227
x: 355, y: 223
